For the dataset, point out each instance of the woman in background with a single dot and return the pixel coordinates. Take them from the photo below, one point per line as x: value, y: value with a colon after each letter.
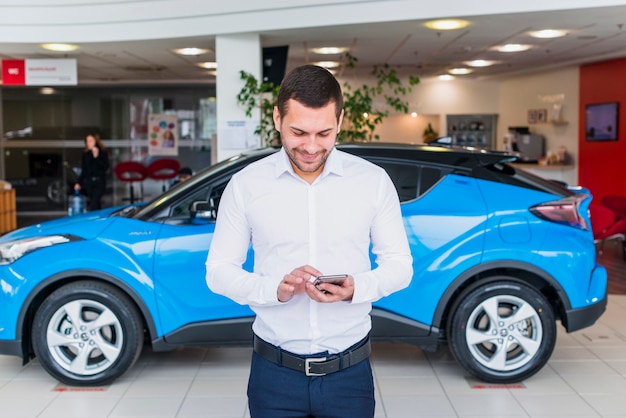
x: 94, y: 165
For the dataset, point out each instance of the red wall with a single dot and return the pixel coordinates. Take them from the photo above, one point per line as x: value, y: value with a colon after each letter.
x: 602, y: 165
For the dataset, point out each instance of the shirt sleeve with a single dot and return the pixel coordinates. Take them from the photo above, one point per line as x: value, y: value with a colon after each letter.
x: 394, y: 263
x: 228, y: 252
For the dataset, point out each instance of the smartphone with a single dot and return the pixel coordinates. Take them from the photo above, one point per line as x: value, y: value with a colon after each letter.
x: 336, y: 279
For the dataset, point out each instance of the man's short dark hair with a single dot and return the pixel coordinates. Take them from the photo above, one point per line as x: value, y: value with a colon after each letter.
x: 185, y: 171
x: 311, y: 86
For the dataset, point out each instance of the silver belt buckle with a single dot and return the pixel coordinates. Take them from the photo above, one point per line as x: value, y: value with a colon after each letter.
x: 307, y: 365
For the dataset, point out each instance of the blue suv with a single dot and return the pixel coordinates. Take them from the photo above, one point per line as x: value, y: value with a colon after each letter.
x: 499, y: 256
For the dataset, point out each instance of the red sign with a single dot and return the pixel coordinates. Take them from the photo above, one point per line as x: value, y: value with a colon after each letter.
x: 13, y: 72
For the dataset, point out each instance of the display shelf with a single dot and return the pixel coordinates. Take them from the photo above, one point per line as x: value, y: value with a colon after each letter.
x: 472, y: 130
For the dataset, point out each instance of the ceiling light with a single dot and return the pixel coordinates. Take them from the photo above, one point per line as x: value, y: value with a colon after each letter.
x: 447, y: 24
x: 460, y: 71
x: 191, y: 51
x: 60, y: 47
x: 211, y: 65
x: 327, y: 50
x: 512, y: 48
x: 327, y: 64
x: 446, y: 77
x: 413, y: 114
x: 480, y: 63
x: 212, y: 72
x: 548, y: 33
x: 46, y: 90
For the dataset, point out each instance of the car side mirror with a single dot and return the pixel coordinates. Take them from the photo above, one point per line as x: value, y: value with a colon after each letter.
x: 204, y: 210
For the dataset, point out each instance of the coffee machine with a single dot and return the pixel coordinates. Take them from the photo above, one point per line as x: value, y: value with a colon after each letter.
x: 531, y: 147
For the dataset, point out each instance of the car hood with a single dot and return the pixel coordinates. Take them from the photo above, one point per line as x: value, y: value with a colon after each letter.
x: 87, y: 226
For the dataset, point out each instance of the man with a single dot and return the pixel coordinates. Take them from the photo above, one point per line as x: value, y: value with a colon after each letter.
x: 310, y: 210
x: 183, y: 174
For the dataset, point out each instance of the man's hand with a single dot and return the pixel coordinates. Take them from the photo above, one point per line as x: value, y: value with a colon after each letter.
x: 331, y: 292
x: 294, y: 282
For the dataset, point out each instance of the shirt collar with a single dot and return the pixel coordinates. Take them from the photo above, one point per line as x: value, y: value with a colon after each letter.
x: 333, y: 164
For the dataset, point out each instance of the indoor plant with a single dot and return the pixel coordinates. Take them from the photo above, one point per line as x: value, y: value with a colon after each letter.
x: 361, y: 116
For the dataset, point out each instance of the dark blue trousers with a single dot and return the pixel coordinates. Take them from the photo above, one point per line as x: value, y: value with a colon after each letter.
x: 275, y: 391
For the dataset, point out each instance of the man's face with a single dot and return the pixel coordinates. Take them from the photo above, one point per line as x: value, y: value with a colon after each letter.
x: 308, y: 136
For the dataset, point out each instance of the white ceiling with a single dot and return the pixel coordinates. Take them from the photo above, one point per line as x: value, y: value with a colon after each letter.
x: 595, y: 34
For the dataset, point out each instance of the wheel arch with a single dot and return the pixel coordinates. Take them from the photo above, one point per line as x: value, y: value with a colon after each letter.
x: 516, y: 271
x: 54, y: 282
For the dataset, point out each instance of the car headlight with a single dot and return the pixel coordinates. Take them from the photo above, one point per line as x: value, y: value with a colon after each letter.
x: 13, y: 250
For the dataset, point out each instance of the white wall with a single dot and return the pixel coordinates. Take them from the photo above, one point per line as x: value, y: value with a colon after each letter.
x: 510, y: 99
x: 521, y: 94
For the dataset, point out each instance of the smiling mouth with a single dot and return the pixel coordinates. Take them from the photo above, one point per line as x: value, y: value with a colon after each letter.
x: 309, y: 158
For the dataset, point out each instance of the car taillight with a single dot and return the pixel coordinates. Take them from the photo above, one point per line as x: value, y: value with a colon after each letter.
x: 564, y: 211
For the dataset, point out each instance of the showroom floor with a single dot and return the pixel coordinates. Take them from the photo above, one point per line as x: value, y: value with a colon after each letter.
x: 585, y: 377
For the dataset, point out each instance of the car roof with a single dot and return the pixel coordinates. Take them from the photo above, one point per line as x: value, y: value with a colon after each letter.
x: 453, y: 155
x: 443, y: 154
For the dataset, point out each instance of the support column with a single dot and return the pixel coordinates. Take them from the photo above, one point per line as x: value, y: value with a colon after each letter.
x: 235, y: 53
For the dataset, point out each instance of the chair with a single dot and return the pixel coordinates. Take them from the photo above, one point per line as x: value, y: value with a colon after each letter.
x: 616, y: 203
x: 606, y: 225
x: 163, y: 169
x: 130, y: 172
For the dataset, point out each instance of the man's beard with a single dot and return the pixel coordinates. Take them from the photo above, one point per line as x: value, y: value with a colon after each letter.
x: 306, y: 168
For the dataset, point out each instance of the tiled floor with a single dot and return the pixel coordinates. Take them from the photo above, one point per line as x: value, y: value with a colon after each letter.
x: 586, y: 377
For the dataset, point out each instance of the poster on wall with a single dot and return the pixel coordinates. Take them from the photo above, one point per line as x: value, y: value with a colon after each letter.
x: 163, y: 135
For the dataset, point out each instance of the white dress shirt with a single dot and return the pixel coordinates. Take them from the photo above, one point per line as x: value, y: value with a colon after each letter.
x: 329, y: 225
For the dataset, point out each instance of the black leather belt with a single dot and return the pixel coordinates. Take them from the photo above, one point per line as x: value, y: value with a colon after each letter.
x: 313, y: 366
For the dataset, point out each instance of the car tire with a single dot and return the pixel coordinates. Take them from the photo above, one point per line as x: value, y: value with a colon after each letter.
x: 502, y: 332
x: 106, y: 342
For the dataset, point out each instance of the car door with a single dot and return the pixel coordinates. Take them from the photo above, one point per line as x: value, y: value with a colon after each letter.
x: 445, y: 219
x: 179, y: 264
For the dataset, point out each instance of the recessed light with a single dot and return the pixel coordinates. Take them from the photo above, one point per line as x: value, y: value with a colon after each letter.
x: 512, y: 48
x: 460, y: 71
x: 211, y: 65
x: 212, y: 72
x: 327, y: 64
x: 329, y: 50
x: 46, y: 90
x: 480, y: 63
x: 191, y: 51
x: 447, y: 24
x: 59, y: 47
x: 446, y: 77
x: 548, y: 33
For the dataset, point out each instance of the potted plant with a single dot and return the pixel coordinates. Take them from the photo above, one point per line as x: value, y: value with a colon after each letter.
x: 360, y: 115
x: 429, y: 134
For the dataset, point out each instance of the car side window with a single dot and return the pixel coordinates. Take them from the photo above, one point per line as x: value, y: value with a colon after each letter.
x: 412, y: 180
x: 209, y: 193
x: 182, y: 208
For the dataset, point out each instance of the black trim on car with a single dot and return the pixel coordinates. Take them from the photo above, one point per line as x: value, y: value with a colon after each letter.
x: 12, y: 348
x: 210, y: 333
x: 387, y: 326
x: 579, y: 318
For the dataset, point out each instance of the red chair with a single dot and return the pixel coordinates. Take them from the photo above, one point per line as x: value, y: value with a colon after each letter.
x: 616, y: 203
x: 130, y: 172
x: 606, y: 226
x: 163, y: 169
